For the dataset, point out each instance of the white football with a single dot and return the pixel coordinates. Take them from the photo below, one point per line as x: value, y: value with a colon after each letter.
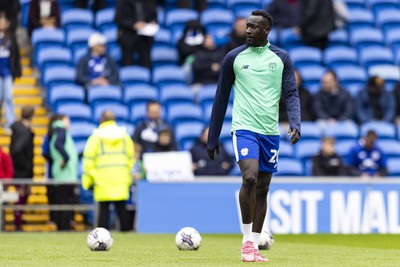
x: 99, y: 239
x: 266, y: 240
x: 188, y: 238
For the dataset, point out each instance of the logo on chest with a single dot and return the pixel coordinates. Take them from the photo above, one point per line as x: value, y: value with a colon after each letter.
x: 272, y: 66
x: 245, y: 67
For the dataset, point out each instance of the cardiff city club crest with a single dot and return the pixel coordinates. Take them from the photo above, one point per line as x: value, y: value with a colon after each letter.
x: 272, y: 66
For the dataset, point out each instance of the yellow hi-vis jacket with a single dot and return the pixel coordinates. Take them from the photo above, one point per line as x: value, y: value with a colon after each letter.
x: 107, y: 162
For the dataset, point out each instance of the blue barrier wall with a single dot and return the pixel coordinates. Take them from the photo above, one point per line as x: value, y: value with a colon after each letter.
x: 295, y: 206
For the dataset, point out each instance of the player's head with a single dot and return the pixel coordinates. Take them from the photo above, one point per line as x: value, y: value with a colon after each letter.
x: 370, y: 139
x: 258, y: 27
x: 153, y: 110
x: 107, y: 115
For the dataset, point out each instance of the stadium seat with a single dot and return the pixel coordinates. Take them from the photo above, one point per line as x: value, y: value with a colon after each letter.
x: 371, y: 56
x: 360, y: 18
x: 343, y: 130
x: 355, y: 4
x: 140, y: 93
x: 59, y: 75
x: 306, y: 149
x: 226, y: 134
x: 80, y: 131
x: 134, y: 75
x: 310, y: 131
x: 379, y: 5
x: 290, y: 167
x: 286, y: 150
x: 390, y: 73
x: 384, y: 130
x: 236, y: 5
x: 243, y: 12
x: 176, y: 93
x: 207, y: 109
x: 53, y: 56
x: 388, y: 19
x: 393, y: 167
x: 163, y: 55
x: 339, y: 37
x: 80, y: 148
x: 343, y: 147
x: 47, y: 36
x: 366, y: 37
x: 176, y: 19
x: 111, y: 34
x: 165, y: 75
x: 229, y: 148
x: 188, y: 132
x: 78, y: 37
x: 338, y: 56
x: 216, y: 4
x: 288, y: 39
x: 67, y: 93
x: 184, y: 112
x: 138, y: 113
x: 217, y: 21
x: 130, y: 128
x: 77, y: 112
x: 114, y: 50
x: 312, y: 75
x: 120, y: 111
x: 392, y: 38
x: 78, y: 53
x: 206, y: 94
x: 354, y: 89
x: 104, y: 94
x: 391, y: 148
x: 163, y: 38
x: 77, y: 18
x: 235, y: 171
x: 305, y: 56
x: 350, y: 75
x: 105, y: 18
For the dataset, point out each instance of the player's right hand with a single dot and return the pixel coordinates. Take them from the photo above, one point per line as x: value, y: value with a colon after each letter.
x: 211, y: 152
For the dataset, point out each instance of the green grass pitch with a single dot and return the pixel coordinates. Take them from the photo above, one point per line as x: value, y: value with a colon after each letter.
x: 69, y: 249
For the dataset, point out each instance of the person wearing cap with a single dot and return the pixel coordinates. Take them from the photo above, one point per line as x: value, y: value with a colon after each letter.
x: 97, y: 68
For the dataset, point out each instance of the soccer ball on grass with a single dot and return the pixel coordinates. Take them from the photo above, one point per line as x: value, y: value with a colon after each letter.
x: 266, y: 240
x: 99, y: 239
x: 188, y: 238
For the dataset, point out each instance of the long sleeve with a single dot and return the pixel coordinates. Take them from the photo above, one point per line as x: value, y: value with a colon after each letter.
x: 60, y: 142
x: 89, y: 158
x: 347, y: 113
x: 33, y: 16
x: 221, y: 100
x: 82, y: 74
x: 319, y: 110
x: 113, y: 76
x: 389, y: 107
x: 361, y: 112
x: 15, y: 58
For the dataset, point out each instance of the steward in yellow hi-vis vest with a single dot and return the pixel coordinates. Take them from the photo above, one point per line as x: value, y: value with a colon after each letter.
x: 108, y: 160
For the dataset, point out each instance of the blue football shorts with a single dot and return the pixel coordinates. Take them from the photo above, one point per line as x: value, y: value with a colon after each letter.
x: 251, y: 145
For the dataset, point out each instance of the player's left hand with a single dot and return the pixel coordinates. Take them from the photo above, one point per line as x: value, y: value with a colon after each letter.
x: 294, y: 136
x: 211, y: 152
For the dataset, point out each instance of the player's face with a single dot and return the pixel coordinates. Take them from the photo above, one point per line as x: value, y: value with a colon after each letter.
x: 256, y: 31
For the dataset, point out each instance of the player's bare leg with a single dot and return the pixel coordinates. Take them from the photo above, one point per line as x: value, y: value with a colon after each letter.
x: 262, y: 188
x: 247, y: 200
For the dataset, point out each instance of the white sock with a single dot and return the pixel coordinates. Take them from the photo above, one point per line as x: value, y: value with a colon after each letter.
x: 247, y: 236
x: 256, y: 239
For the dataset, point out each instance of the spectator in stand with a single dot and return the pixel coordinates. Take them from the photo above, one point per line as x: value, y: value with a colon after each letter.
x: 375, y: 103
x: 306, y: 102
x: 11, y: 9
x: 327, y: 162
x: 132, y: 16
x: 107, y: 164
x: 332, y: 103
x: 200, y: 5
x: 43, y: 13
x: 203, y: 165
x: 97, y: 4
x: 6, y: 166
x: 238, y: 34
x: 64, y: 168
x: 207, y: 62
x: 97, y: 68
x: 191, y: 41
x: 286, y: 13
x: 317, y: 20
x: 366, y: 159
x: 165, y: 141
x: 146, y: 133
x: 10, y: 68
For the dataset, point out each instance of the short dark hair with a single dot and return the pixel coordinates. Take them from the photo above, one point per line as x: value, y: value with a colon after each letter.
x: 152, y: 102
x: 331, y: 71
x: 265, y: 15
x: 27, y: 112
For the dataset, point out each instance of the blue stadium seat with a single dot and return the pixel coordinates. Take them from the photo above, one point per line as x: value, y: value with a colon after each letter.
x: 77, y: 18
x: 243, y: 13
x: 339, y: 56
x: 391, y: 148
x: 388, y: 19
x: 80, y: 148
x: 184, y: 112
x: 343, y: 130
x: 206, y: 94
x: 286, y: 150
x: 355, y: 4
x: 237, y: 5
x: 105, y: 18
x: 120, y: 111
x: 114, y: 50
x: 366, y: 37
x: 390, y: 73
x: 288, y: 38
x: 138, y: 113
x: 226, y: 134
x: 372, y: 56
x: 216, y: 4
x: 140, y: 93
x: 393, y: 167
x: 306, y: 149
x: 350, y: 75
x: 160, y: 15
x: 384, y: 130
x: 290, y: 167
x: 354, y: 89
x: 343, y: 147
x: 59, y: 75
x: 80, y: 131
x: 67, y: 93
x: 310, y: 131
x: 163, y: 55
x: 360, y: 18
x: 177, y: 18
x: 379, y: 5
x: 229, y: 148
x: 235, y: 171
x: 78, y: 53
x: 392, y: 38
x: 217, y: 20
x: 188, y: 132
x: 111, y: 34
x: 47, y: 36
x: 134, y: 75
x: 53, y: 56
x: 165, y: 75
x: 163, y: 38
x: 339, y: 37
x: 130, y: 128
x: 207, y: 109
x: 78, y: 37
x: 305, y: 56
x: 176, y: 93
x: 312, y: 75
x: 77, y: 112
x: 104, y: 94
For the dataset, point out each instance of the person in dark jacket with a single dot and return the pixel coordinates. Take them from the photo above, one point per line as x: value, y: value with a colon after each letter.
x: 332, y: 103
x: 10, y: 68
x: 43, y: 13
x: 327, y: 162
x: 306, y: 102
x: 165, y: 142
x: 97, y: 68
x: 132, y: 16
x: 11, y: 9
x: 286, y: 13
x: 375, y: 103
x: 191, y: 41
x: 317, y: 21
x: 203, y: 165
x: 238, y: 34
x: 207, y: 62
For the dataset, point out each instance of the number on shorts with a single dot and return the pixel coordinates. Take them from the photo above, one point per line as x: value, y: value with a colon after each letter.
x: 274, y: 158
